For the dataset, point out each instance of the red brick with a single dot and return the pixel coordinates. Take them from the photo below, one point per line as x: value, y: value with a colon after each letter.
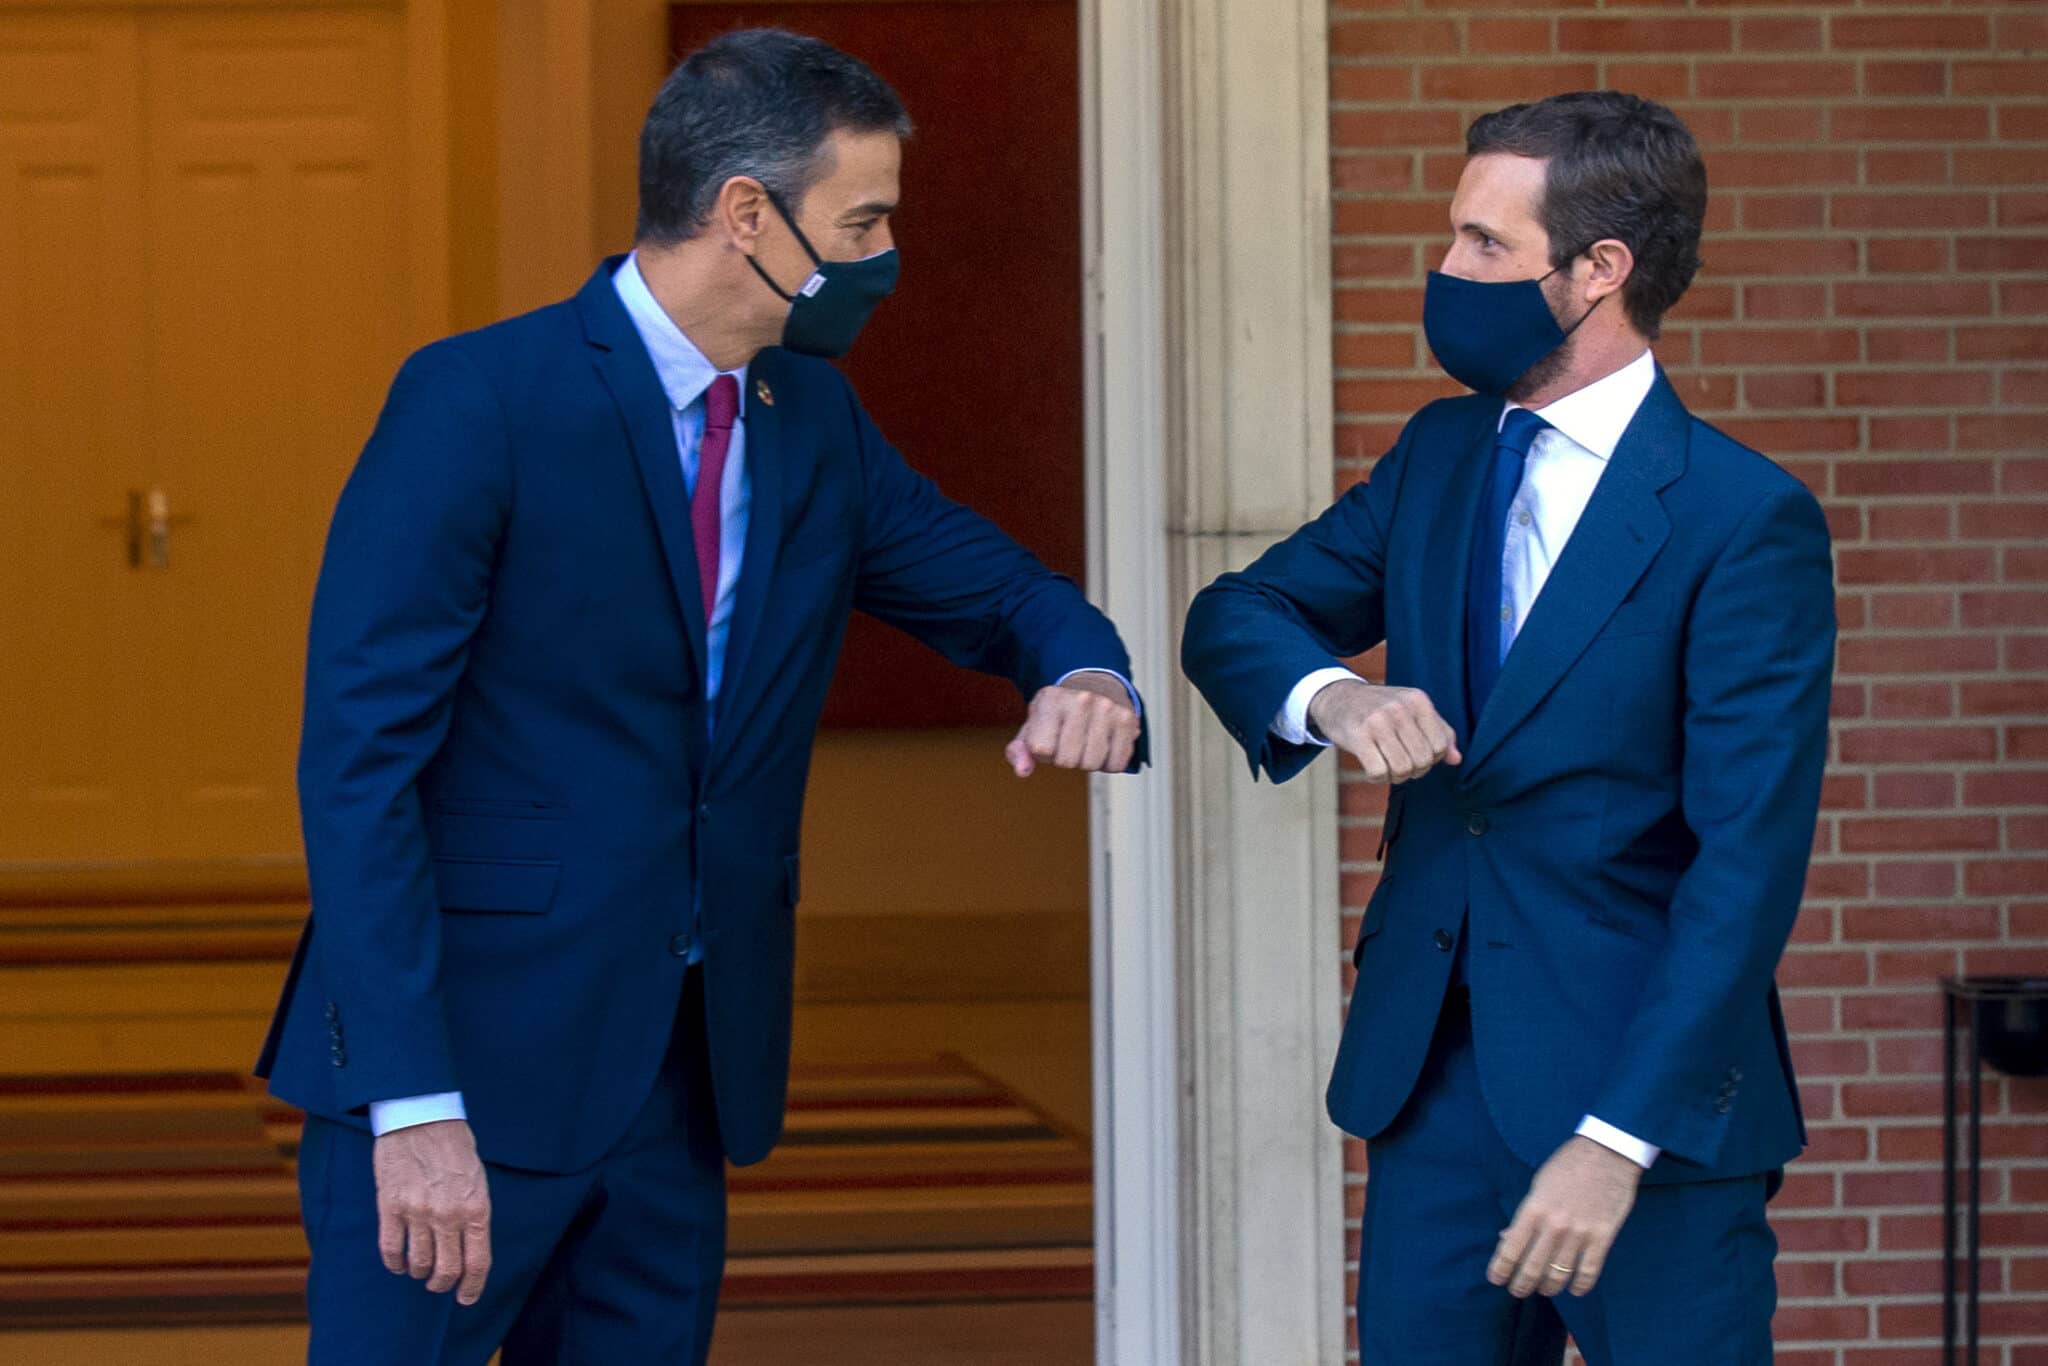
x: 1401, y: 304
x: 1831, y: 1058
x: 1905, y: 78
x: 1910, y: 123
x: 1779, y: 436
x: 2023, y: 388
x: 1910, y: 967
x: 1806, y: 1322
x: 1632, y: 36
x: 2001, y: 165
x: 1766, y: 80
x: 1897, y: 299
x: 1915, y: 433
x: 1780, y: 34
x: 1892, y: 1276
x: 2026, y: 742
x: 1906, y: 255
x: 2006, y: 877
x: 2023, y: 123
x: 1910, y: 521
x: 1394, y: 216
x: 1920, y: 1056
x: 1865, y: 924
x: 2006, y: 697
x: 1919, y: 342
x: 1914, y: 612
x: 2013, y: 432
x: 1783, y: 256
x: 1748, y: 346
x: 2012, y: 520
x: 1909, y: 167
x: 1916, y: 565
x: 1853, y: 32
x: 2003, y: 342
x: 2021, y: 31
x: 1371, y: 82
x: 1380, y: 38
x: 2005, y: 255
x: 1890, y: 1010
x: 1379, y: 171
x: 1497, y: 83
x: 1915, y: 389
x: 1807, y: 1233
x: 1392, y: 395
x: 1945, y: 212
x: 1916, y: 878
x: 2005, y: 609
x: 1509, y: 37
x: 1892, y: 1186
x: 2006, y: 787
x: 1396, y: 128
x: 1374, y: 350
x: 1652, y: 80
x: 2022, y: 208
x: 1781, y: 390
x: 1919, y: 745
x: 1738, y: 169
x: 1817, y: 968
x: 1836, y: 1143
x: 2001, y: 76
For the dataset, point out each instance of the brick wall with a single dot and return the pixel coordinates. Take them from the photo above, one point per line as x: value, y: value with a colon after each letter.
x: 1873, y: 314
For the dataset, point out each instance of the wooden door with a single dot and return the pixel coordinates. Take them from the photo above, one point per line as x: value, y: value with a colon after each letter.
x: 204, y: 293
x: 73, y: 410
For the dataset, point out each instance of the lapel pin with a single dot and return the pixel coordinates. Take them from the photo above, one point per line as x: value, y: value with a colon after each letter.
x: 764, y: 393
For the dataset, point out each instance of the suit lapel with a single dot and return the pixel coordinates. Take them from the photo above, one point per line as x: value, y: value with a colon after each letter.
x: 1621, y: 531
x: 1447, y: 576
x: 767, y: 515
x: 622, y: 362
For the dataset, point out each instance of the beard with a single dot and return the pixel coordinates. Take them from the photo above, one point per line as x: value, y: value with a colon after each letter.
x: 1543, y: 373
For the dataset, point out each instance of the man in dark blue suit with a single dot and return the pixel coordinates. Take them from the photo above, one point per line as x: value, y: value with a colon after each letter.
x: 1609, y: 633
x: 580, y: 606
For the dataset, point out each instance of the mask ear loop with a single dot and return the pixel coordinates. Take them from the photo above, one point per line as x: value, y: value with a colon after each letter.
x: 1552, y: 271
x: 817, y: 261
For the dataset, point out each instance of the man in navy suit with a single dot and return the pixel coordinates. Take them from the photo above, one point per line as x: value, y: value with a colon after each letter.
x: 579, y: 609
x: 1609, y: 631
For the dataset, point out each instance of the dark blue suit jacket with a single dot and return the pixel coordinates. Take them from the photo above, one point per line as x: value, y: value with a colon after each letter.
x: 512, y: 802
x: 1630, y: 827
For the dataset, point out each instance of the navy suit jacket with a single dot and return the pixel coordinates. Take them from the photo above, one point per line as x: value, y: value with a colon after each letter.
x: 1630, y: 827
x: 512, y: 799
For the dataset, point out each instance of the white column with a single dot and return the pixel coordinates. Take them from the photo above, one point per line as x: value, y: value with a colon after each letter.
x: 1219, y: 1212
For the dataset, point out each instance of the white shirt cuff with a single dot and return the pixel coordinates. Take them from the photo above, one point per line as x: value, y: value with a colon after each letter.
x: 1291, y: 724
x: 1137, y: 702
x: 408, y: 1111
x: 1643, y: 1154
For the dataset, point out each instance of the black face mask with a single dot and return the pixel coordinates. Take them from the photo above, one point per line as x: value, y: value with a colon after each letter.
x: 829, y: 309
x: 1487, y: 335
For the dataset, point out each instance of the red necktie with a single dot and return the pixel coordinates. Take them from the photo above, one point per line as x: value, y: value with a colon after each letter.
x: 721, y: 406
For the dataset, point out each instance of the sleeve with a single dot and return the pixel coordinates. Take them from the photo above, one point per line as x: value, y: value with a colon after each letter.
x: 958, y: 583
x: 402, y: 590
x: 1759, y: 655
x: 1254, y: 636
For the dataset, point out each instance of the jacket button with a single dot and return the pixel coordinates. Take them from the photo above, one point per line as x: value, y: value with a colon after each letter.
x: 1443, y: 940
x: 680, y: 946
x: 340, y: 1058
x: 1723, y: 1105
x: 1475, y: 823
x: 1734, y: 1074
x: 333, y: 1012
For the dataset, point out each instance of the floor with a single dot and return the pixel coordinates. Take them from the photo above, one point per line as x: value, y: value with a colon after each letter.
x: 194, y: 1016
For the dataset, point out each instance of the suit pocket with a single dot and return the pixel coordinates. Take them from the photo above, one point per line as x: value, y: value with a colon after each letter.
x: 1375, y: 920
x: 524, y: 886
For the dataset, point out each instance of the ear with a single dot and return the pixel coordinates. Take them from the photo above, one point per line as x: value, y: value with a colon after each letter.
x: 1609, y: 264
x: 741, y: 212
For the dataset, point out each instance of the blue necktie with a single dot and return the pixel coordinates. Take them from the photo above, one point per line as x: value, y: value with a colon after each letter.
x: 1489, y: 625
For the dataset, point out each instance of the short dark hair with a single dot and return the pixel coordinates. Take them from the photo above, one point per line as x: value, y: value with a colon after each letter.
x: 754, y: 102
x: 1622, y: 167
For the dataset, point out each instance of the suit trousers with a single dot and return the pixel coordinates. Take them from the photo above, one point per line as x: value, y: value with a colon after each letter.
x: 1689, y: 1281
x: 618, y: 1262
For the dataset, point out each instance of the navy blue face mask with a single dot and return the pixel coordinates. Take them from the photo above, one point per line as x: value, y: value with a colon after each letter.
x: 828, y: 310
x: 1488, y: 334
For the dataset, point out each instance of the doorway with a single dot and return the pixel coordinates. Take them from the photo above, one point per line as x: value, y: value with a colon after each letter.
x: 943, y: 968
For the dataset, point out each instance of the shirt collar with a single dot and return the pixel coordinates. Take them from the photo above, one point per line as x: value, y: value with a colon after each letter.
x: 1596, y: 416
x: 684, y: 371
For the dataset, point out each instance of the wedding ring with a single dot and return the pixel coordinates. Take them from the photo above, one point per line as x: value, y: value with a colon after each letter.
x: 1560, y: 1270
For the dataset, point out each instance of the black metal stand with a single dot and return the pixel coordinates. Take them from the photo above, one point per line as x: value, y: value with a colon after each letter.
x: 2015, y: 1009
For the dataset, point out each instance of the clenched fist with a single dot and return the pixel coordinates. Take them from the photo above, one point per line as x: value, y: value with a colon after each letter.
x: 1394, y: 732
x: 1087, y: 722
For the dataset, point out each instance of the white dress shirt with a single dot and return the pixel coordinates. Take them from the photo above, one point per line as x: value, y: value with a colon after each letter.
x: 685, y: 374
x: 1564, y: 465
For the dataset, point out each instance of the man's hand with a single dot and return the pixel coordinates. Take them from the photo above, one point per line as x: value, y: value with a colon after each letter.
x: 434, y: 1207
x: 1574, y: 1208
x: 1395, y: 732
x: 1086, y: 722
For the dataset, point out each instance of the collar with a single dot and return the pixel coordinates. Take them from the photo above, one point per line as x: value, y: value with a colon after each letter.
x: 684, y: 371
x: 1595, y: 417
